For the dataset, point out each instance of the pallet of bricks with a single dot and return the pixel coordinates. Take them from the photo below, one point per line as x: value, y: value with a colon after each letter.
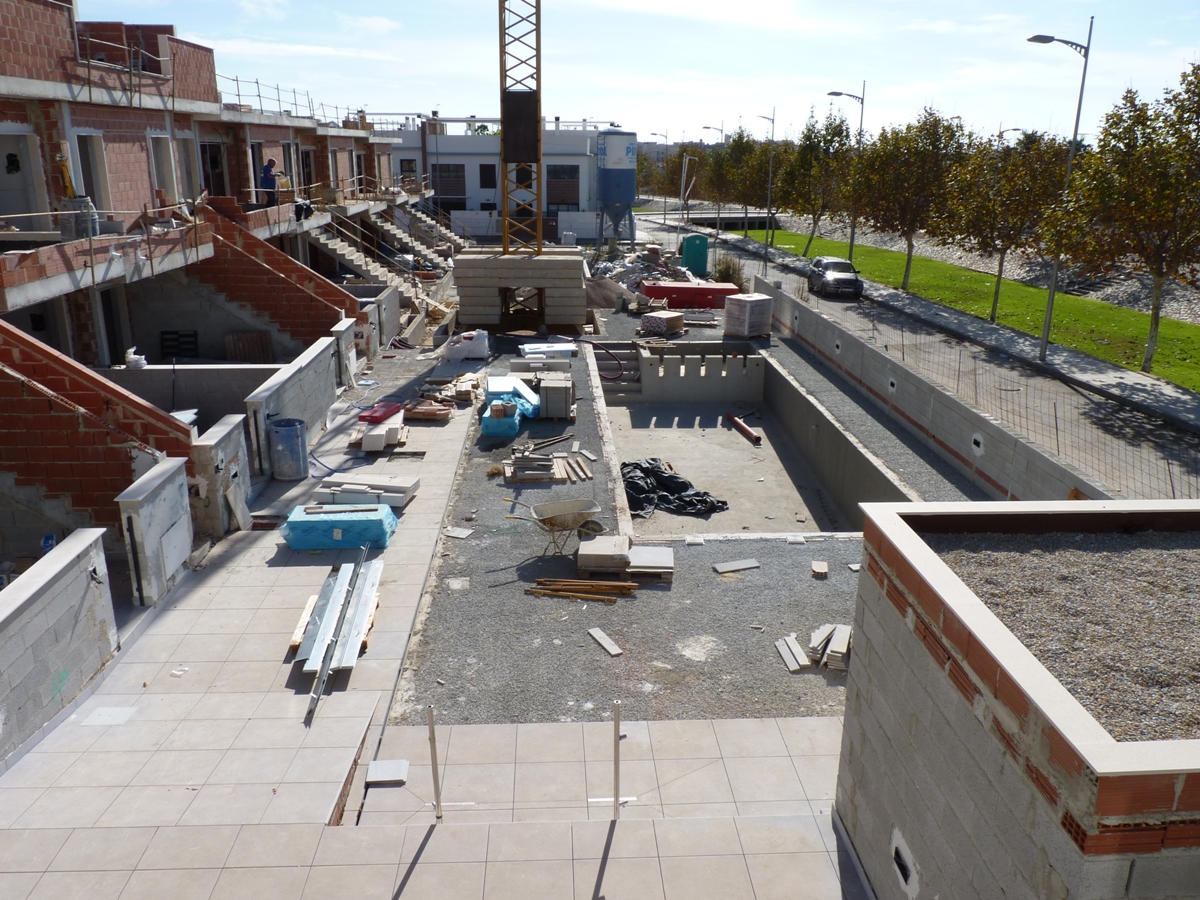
x: 748, y: 315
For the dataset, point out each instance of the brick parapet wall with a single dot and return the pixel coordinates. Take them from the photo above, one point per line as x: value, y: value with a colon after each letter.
x: 1102, y: 813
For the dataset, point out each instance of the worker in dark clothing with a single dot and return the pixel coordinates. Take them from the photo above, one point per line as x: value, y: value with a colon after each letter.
x: 267, y: 181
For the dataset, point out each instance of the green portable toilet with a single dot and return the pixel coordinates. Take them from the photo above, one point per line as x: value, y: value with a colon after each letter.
x: 694, y: 250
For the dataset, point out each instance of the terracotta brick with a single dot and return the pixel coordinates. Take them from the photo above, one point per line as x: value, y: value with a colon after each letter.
x: 871, y: 534
x: 1042, y: 783
x: 982, y: 663
x: 1189, y: 797
x: 962, y: 681
x: 1139, y: 839
x: 1076, y: 831
x: 955, y: 631
x: 875, y: 570
x: 1011, y: 695
x: 1131, y: 795
x: 1008, y: 740
x: 896, y: 597
x: 1182, y: 834
x: 932, y: 643
x: 1062, y: 754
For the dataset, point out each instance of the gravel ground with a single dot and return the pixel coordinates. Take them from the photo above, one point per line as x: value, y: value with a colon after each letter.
x: 923, y: 469
x: 1114, y: 617
x: 484, y: 652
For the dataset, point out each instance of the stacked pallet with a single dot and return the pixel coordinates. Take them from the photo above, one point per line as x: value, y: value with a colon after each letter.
x: 397, y: 491
x: 482, y: 276
x: 427, y: 409
x: 830, y: 646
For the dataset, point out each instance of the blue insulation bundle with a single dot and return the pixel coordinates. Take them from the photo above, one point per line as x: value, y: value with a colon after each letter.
x: 508, y: 426
x: 336, y: 530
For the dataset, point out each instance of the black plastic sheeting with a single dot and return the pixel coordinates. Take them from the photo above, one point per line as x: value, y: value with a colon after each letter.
x: 650, y: 485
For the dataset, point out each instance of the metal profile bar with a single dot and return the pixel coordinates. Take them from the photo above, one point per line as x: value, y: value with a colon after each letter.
x: 345, y: 655
x: 323, y: 676
x: 315, y: 651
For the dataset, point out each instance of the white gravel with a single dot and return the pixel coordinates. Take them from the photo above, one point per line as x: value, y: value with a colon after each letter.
x: 1114, y: 617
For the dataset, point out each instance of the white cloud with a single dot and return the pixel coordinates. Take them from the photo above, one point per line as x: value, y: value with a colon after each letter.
x: 369, y: 26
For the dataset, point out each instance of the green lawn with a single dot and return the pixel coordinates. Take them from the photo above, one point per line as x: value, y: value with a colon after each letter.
x: 1101, y: 329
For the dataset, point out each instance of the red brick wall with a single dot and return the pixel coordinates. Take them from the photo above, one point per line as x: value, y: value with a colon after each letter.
x: 46, y: 442
x: 99, y: 396
x: 194, y: 72
x: 36, y: 39
x: 126, y: 152
x: 84, y: 341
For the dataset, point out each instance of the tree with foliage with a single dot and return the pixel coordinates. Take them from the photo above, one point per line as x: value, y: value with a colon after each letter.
x: 900, y: 177
x: 997, y: 196
x: 647, y: 174
x: 812, y: 175
x: 718, y: 181
x: 741, y: 148
x: 1135, y: 198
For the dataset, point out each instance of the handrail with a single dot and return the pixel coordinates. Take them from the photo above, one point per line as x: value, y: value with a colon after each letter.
x: 242, y: 99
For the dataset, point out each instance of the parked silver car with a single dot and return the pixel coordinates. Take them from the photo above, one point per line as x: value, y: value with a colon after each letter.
x: 831, y: 276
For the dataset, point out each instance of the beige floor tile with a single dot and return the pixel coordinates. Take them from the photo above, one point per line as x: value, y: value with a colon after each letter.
x: 478, y: 783
x: 228, y: 804
x: 818, y: 775
x: 462, y: 815
x: 174, y: 621
x: 409, y: 742
x: 706, y: 878
x: 38, y: 770
x: 274, y: 845
x: 253, y: 766
x: 321, y: 764
x: 630, y: 838
x: 349, y: 703
x: 551, y: 814
x: 377, y: 675
x: 306, y: 802
x: 18, y: 885
x: 162, y: 707
x: 699, y: 810
x: 266, y: 647
x: 566, y: 781
x: 776, y: 875
x: 366, y: 882
x: 147, y: 805
x: 552, y: 879
x: 598, y: 741
x: 260, y: 884
x: 602, y: 812
x: 445, y: 881
x: 30, y: 850
x: 72, y: 736
x: 384, y: 819
x: 692, y: 781
x: 222, y: 621
x: 249, y: 677
x: 552, y: 742
x: 684, y: 740
x: 204, y: 647
x: 618, y: 879
x: 195, y: 677
x: 231, y: 705
x: 274, y: 621
x: 344, y: 731
x: 448, y: 842
x: 252, y: 576
x: 183, y: 768
x: 401, y: 573
x: 134, y: 736
x: 293, y: 597
x: 764, y: 778
x: 204, y: 734
x: 14, y: 801
x: 399, y: 798
x: 349, y: 846
x: 386, y: 645
x: 241, y: 596
x: 696, y: 837
x: 775, y: 808
x: 475, y: 744
x: 190, y: 847
x: 301, y: 575
x: 780, y: 834
x: 265, y: 734
x: 285, y: 705
x: 813, y: 736
x: 80, y: 886
x: 68, y: 807
x: 749, y: 737
x: 529, y: 841
x: 129, y: 678
x: 160, y: 884
x: 102, y: 849
x: 638, y: 779
x: 151, y: 648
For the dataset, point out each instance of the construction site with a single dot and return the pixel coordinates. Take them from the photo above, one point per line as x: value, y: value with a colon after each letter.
x: 356, y: 538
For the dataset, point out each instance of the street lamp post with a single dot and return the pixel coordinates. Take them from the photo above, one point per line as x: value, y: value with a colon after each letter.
x: 722, y: 130
x: 666, y: 150
x: 1083, y: 50
x: 862, y: 107
x: 770, y: 184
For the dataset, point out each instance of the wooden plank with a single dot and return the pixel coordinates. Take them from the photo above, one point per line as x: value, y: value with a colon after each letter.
x: 302, y: 623
x: 589, y: 455
x: 569, y: 595
x: 586, y: 471
x: 237, y: 505
x: 797, y: 651
x: 605, y: 641
x: 566, y: 465
x: 738, y: 565
x: 789, y: 658
x: 575, y: 447
x: 329, y: 510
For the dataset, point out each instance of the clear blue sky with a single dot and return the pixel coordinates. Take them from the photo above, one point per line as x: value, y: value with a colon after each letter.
x: 680, y: 65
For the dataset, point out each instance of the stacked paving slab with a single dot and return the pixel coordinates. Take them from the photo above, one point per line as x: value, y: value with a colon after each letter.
x: 481, y: 274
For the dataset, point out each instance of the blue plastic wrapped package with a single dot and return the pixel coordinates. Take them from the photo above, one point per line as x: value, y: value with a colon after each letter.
x: 500, y: 426
x: 338, y: 530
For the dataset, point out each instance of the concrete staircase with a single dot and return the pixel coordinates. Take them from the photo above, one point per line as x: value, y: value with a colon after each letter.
x: 365, y: 267
x: 628, y: 385
x: 438, y: 233
x: 399, y: 239
x: 255, y: 320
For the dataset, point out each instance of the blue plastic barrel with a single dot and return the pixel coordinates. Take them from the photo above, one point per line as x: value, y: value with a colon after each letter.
x: 288, y: 440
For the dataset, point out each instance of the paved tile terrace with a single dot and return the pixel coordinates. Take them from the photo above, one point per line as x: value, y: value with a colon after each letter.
x: 189, y: 773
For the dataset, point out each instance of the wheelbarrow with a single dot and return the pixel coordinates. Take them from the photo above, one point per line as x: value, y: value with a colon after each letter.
x: 560, y: 518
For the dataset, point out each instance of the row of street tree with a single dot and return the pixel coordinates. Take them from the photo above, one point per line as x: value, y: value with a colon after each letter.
x: 1133, y: 199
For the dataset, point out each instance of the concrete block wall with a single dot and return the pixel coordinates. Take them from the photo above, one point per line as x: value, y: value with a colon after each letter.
x: 388, y: 303
x: 214, y: 390
x: 177, y: 301
x: 56, y: 633
x: 157, y: 525
x: 695, y: 371
x: 27, y: 515
x: 221, y: 462
x: 304, y: 389
x: 1006, y: 465
x: 847, y: 469
x: 960, y: 746
x: 480, y: 274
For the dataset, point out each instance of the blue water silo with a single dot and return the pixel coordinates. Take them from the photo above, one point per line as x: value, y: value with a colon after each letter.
x: 617, y: 167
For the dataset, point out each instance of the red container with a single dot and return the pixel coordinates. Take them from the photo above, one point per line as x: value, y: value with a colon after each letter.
x: 380, y: 412
x: 690, y: 295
